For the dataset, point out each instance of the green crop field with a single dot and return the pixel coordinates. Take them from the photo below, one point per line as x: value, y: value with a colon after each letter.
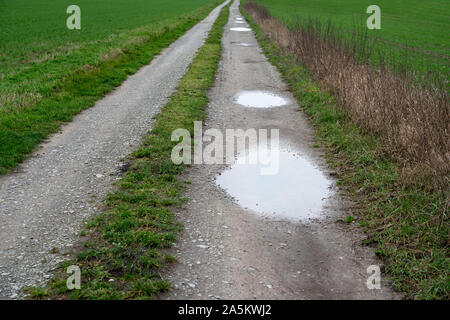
x: 397, y: 208
x: 423, y: 26
x: 35, y: 31
x: 49, y: 73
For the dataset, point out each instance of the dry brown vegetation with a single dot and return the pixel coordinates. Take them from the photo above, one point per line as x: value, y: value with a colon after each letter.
x: 411, y: 116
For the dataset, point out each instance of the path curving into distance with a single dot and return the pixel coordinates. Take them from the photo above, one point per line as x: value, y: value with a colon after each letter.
x: 249, y: 236
x: 44, y: 201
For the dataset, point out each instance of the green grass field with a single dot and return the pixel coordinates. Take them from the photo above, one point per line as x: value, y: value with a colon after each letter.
x: 49, y: 73
x: 421, y: 25
x: 34, y: 32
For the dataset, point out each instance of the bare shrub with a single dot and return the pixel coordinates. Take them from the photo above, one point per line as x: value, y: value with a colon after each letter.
x: 411, y: 117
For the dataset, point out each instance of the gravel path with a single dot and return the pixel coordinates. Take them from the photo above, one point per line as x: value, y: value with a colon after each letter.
x: 44, y: 201
x: 230, y: 252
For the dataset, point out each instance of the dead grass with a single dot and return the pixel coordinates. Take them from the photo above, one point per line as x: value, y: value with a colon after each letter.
x: 411, y: 115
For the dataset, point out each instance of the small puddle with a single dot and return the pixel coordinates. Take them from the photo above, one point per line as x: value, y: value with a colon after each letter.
x: 239, y: 21
x: 239, y: 29
x: 259, y: 99
x: 244, y: 44
x: 296, y: 192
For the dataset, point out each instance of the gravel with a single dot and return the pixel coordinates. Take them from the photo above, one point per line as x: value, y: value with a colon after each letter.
x: 45, y: 200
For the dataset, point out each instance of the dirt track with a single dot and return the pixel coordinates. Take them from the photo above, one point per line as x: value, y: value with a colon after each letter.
x: 44, y: 201
x: 230, y: 252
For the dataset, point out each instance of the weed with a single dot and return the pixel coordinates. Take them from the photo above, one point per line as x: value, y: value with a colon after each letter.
x: 349, y: 219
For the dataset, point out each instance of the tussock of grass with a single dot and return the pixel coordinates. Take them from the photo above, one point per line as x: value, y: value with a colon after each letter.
x: 125, y: 244
x: 405, y: 218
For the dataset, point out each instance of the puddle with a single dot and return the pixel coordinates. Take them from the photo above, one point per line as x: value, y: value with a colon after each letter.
x: 239, y: 21
x: 297, y: 192
x: 259, y: 99
x: 244, y: 44
x: 239, y: 29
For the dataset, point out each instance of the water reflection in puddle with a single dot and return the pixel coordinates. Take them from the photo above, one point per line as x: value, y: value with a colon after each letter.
x: 239, y: 21
x: 259, y: 99
x: 239, y: 29
x: 244, y: 44
x: 295, y: 193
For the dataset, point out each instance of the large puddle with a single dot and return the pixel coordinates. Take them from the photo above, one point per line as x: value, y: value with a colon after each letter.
x: 259, y: 99
x: 296, y: 192
x: 240, y: 29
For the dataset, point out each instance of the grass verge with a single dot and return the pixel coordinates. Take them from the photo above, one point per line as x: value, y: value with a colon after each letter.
x: 123, y: 247
x: 51, y: 93
x: 406, y: 219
